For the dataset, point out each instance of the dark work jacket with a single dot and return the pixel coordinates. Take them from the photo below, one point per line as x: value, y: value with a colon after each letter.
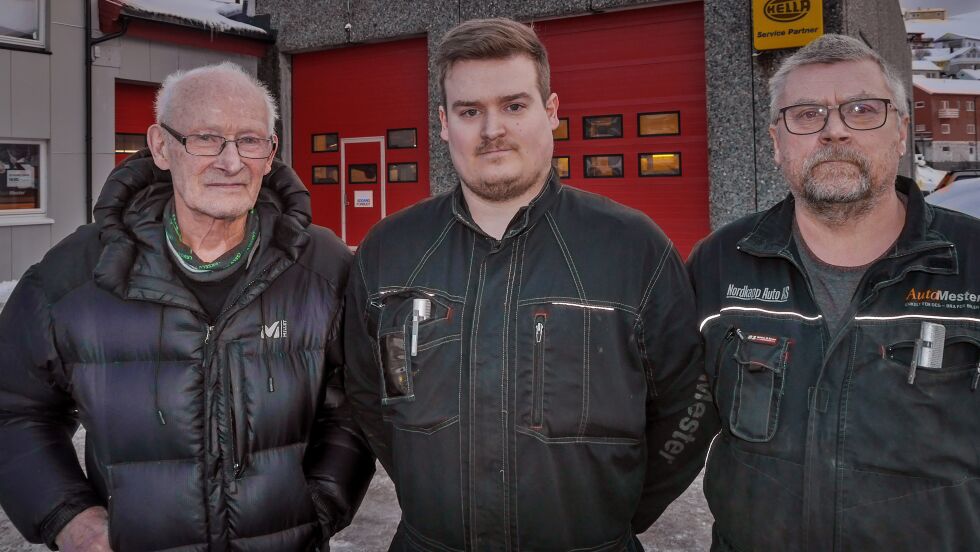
x: 554, y: 400
x: 231, y: 436
x: 825, y: 444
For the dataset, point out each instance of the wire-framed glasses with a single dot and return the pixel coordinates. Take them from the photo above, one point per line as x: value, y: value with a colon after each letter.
x: 863, y: 114
x: 249, y: 147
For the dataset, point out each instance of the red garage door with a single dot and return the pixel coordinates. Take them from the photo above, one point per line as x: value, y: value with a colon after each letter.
x: 360, y: 131
x: 134, y: 113
x: 631, y: 87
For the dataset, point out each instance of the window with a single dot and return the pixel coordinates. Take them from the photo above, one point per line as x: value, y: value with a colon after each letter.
x: 561, y: 132
x: 602, y: 126
x: 130, y: 143
x: 362, y: 174
x: 325, y: 142
x: 658, y: 124
x: 945, y: 104
x: 944, y: 128
x: 561, y: 165
x: 971, y: 105
x: 971, y: 128
x: 660, y: 164
x: 22, y: 176
x: 945, y: 148
x: 920, y: 128
x: 326, y: 174
x: 402, y: 138
x: 920, y: 104
x: 603, y: 166
x: 23, y: 22
x: 403, y: 172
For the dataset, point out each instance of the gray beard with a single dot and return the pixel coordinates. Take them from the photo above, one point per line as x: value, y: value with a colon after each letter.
x: 834, y: 204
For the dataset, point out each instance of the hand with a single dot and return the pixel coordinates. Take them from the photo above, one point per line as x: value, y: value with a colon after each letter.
x: 86, y: 532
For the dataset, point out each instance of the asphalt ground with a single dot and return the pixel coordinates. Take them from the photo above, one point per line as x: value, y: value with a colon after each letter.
x: 684, y: 527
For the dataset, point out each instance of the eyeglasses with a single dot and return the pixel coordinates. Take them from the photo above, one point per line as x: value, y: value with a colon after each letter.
x: 864, y: 114
x: 249, y: 147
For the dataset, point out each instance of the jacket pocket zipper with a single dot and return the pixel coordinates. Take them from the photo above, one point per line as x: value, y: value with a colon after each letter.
x: 537, y: 375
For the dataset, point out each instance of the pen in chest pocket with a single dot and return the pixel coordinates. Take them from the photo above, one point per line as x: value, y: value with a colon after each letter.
x: 421, y: 310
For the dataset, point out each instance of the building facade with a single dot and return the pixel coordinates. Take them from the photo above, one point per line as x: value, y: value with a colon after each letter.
x: 664, y: 105
x: 946, y: 121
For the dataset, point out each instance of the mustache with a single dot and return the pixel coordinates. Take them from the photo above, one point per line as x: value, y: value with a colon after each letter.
x: 493, y: 145
x: 836, y: 152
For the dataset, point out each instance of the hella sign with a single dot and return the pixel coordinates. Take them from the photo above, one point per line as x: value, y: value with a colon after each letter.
x: 784, y: 11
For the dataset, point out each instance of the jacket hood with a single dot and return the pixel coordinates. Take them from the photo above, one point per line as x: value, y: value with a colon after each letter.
x: 130, y: 209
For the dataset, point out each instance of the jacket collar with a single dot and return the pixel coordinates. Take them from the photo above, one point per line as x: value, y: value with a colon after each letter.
x: 773, y: 234
x: 135, y: 263
x: 526, y: 217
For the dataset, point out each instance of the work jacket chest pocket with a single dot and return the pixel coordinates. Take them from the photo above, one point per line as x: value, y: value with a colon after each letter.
x: 913, y: 399
x: 418, y: 335
x: 751, y: 374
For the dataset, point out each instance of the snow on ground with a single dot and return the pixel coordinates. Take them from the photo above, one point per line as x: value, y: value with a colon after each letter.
x: 212, y: 13
x: 5, y: 289
x: 928, y: 178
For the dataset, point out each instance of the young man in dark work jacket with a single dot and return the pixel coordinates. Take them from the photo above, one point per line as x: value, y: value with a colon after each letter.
x: 523, y: 356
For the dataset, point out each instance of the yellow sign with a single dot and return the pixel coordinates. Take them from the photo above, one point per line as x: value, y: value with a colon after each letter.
x: 785, y: 23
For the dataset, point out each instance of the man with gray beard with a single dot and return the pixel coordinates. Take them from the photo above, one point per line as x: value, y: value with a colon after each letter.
x: 842, y: 332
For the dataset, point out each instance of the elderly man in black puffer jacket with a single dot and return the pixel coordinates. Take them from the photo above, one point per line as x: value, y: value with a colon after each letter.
x: 194, y: 330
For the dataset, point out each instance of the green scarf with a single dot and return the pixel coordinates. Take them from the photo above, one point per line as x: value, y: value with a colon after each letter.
x: 219, y: 268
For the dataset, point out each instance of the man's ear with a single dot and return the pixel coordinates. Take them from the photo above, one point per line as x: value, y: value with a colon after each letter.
x: 444, y: 132
x: 551, y: 107
x: 776, y: 155
x: 272, y: 156
x: 156, y: 139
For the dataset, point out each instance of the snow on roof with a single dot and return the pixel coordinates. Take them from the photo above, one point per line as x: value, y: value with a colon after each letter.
x: 965, y: 25
x: 946, y: 86
x: 924, y: 65
x: 212, y: 14
x: 938, y: 55
x: 970, y: 74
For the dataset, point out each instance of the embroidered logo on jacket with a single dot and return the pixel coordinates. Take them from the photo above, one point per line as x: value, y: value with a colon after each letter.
x: 942, y: 298
x: 769, y: 295
x: 276, y: 330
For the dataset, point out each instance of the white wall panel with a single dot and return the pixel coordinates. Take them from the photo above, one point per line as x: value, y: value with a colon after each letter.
x: 30, y: 95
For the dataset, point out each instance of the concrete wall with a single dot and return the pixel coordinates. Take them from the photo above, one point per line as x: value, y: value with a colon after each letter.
x: 743, y: 178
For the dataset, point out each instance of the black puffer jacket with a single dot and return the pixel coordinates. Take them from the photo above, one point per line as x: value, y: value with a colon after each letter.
x: 257, y: 451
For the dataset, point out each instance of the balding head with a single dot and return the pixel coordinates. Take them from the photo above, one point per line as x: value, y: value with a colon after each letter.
x: 225, y: 83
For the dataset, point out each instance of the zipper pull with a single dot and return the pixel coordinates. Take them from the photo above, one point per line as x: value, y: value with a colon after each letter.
x: 739, y: 333
x: 976, y: 378
x: 538, y: 332
x: 207, y: 336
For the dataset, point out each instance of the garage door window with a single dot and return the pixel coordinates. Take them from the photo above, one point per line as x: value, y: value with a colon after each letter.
x: 402, y: 138
x: 561, y: 132
x: 562, y: 166
x: 326, y: 174
x: 362, y: 174
x: 328, y: 141
x: 403, y: 172
x: 602, y: 126
x: 658, y: 124
x: 604, y: 166
x: 660, y: 164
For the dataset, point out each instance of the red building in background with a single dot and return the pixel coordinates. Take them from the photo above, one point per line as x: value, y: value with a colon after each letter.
x: 946, y: 121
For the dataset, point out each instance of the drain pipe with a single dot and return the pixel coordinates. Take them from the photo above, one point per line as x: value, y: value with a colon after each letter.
x: 89, y: 44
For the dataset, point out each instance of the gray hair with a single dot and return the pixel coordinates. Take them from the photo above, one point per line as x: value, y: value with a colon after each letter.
x: 834, y: 48
x: 224, y: 71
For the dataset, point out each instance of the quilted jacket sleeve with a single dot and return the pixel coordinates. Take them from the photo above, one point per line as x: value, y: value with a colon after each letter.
x: 42, y: 486
x: 338, y: 464
x: 680, y: 417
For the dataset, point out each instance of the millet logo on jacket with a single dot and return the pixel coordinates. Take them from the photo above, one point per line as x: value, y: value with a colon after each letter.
x: 769, y: 295
x: 688, y: 424
x: 276, y: 330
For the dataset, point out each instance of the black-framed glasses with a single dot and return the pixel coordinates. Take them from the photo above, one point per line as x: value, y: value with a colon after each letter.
x: 210, y: 145
x: 863, y: 114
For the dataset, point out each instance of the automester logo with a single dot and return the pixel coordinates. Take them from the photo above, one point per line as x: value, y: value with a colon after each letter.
x: 785, y: 11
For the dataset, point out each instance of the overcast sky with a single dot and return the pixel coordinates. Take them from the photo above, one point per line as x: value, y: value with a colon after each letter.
x: 953, y: 7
